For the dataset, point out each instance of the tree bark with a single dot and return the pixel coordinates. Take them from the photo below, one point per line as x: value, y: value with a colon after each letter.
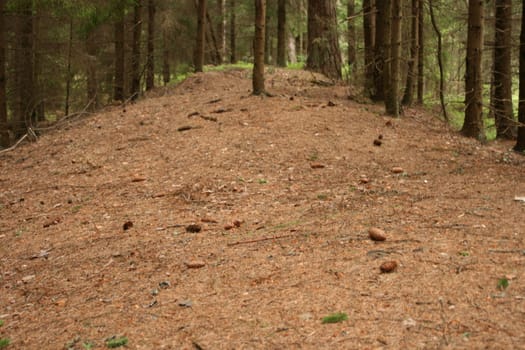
x: 233, y: 33
x: 520, y: 143
x: 258, y: 47
x: 382, y: 35
x: 4, y: 135
x: 502, y: 74
x: 324, y: 55
x: 92, y: 76
x: 150, y: 63
x: 118, y: 88
x: 439, y: 54
x: 281, y: 33
x: 369, y: 36
x: 135, y: 50
x: 166, y: 73
x: 201, y: 36
x: 421, y: 53
x: 220, y: 29
x: 351, y: 38
x: 392, y: 100
x: 473, y: 123
x: 24, y: 69
x: 408, y: 97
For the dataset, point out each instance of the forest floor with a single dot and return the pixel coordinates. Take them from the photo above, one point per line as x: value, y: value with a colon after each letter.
x: 99, y: 221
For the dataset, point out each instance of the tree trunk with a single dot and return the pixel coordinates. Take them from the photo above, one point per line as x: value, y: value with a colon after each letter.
x: 166, y: 73
x: 392, y: 100
x: 69, y: 75
x: 281, y: 33
x: 135, y: 50
x: 211, y: 39
x: 350, y: 12
x: 4, y: 135
x: 220, y: 29
x: 24, y: 69
x: 118, y: 88
x: 233, y: 33
x: 473, y: 124
x: 520, y: 144
x: 382, y: 35
x: 92, y: 76
x: 439, y: 54
x: 408, y: 97
x: 502, y: 74
x: 201, y: 36
x: 150, y: 64
x: 369, y: 36
x: 267, y: 40
x: 258, y: 47
x: 421, y: 52
x: 324, y: 55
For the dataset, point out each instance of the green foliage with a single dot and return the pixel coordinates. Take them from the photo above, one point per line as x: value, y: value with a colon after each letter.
x: 116, y: 342
x: 4, y: 342
x: 1, y: 323
x: 335, y: 318
x: 503, y: 283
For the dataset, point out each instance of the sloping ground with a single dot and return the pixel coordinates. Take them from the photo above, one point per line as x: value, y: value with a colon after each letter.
x: 284, y: 190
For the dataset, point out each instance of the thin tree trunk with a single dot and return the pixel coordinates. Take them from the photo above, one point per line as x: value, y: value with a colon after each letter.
x: 233, y: 33
x: 520, y: 143
x: 150, y: 64
x: 220, y: 29
x: 213, y: 42
x: 135, y: 50
x: 4, y: 135
x: 351, y: 53
x: 281, y: 33
x: 408, y: 97
x: 439, y: 54
x: 69, y: 75
x: 92, y: 76
x: 382, y: 35
x: 24, y: 69
x: 201, y: 36
x: 118, y: 88
x: 421, y: 53
x: 267, y: 40
x: 502, y: 74
x: 258, y: 47
x: 324, y: 55
x: 369, y: 36
x: 166, y: 74
x: 473, y: 124
x: 392, y: 99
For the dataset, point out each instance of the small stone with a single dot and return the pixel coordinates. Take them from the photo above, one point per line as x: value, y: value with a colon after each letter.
x: 61, y: 302
x: 164, y: 284
x: 378, y: 142
x: 409, y: 323
x: 127, y: 225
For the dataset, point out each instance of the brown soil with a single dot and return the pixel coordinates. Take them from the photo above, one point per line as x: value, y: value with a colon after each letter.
x: 284, y: 190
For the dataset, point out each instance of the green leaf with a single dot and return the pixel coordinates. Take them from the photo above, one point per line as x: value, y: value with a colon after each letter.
x: 1, y: 323
x: 116, y: 342
x: 335, y: 318
x: 503, y: 283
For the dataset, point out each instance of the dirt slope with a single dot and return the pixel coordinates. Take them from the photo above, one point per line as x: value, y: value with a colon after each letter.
x: 284, y: 190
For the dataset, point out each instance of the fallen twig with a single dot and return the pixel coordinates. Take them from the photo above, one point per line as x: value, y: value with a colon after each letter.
x: 15, y: 145
x: 260, y: 239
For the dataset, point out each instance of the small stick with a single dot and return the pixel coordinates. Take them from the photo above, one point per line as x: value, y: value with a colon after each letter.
x: 260, y: 240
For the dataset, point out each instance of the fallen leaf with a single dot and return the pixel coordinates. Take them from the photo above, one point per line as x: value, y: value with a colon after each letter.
x: 317, y: 166
x: 127, y: 225
x: 193, y: 228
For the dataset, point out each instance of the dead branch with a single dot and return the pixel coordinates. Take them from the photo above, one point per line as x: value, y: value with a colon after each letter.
x: 15, y: 145
x: 260, y: 240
